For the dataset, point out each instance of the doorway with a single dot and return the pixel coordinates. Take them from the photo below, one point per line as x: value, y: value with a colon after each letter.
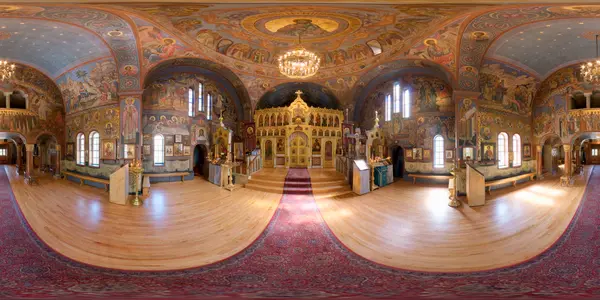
x: 398, y: 162
x: 199, y: 160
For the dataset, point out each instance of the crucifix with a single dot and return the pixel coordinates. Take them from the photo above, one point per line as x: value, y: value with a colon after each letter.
x: 356, y: 138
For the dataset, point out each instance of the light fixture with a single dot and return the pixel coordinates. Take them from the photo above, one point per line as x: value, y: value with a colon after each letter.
x: 591, y: 70
x: 7, y: 70
x: 299, y: 63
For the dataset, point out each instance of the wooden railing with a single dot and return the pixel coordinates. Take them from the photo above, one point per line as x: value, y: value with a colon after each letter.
x: 343, y: 165
x: 253, y: 164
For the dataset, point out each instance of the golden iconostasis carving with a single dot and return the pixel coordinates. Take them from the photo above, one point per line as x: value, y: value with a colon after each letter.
x: 299, y: 135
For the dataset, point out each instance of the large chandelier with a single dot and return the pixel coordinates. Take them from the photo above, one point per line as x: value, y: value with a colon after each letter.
x: 299, y: 63
x: 7, y: 70
x: 591, y: 71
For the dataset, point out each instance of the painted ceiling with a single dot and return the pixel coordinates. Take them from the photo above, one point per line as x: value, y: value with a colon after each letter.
x: 543, y: 47
x: 52, y: 47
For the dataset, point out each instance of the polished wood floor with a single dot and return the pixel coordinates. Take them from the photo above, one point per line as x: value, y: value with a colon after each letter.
x: 411, y: 226
x: 181, y: 225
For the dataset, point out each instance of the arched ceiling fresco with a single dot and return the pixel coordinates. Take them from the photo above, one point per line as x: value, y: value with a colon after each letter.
x: 52, y: 47
x: 543, y: 47
x: 249, y: 38
x: 487, y: 27
x: 114, y: 30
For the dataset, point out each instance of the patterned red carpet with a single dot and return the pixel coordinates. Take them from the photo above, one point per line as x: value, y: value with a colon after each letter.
x: 297, y: 257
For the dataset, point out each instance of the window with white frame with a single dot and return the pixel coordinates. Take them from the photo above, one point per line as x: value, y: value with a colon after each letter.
x: 94, y: 159
x: 159, y: 150
x: 209, y: 106
x: 81, y: 149
x: 595, y: 152
x: 502, y: 150
x: 397, y: 96
x: 190, y: 102
x: 3, y: 152
x: 200, y: 96
x: 406, y: 104
x: 388, y: 107
x: 438, y: 151
x: 516, y: 150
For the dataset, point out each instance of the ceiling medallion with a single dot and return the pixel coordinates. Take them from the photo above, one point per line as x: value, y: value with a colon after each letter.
x: 299, y: 63
x: 590, y: 71
x: 115, y: 33
x: 7, y: 70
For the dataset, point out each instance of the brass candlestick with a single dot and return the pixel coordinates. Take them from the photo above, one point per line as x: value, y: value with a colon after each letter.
x: 136, y: 169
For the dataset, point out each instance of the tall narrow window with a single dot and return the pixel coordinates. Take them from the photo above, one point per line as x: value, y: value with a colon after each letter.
x: 94, y: 159
x: 209, y: 106
x: 81, y: 149
x: 406, y: 104
x: 191, y: 102
x: 438, y: 151
x: 502, y: 150
x: 388, y: 107
x: 397, y: 96
x: 3, y: 152
x: 595, y: 152
x: 516, y: 150
x: 200, y: 96
x: 159, y: 150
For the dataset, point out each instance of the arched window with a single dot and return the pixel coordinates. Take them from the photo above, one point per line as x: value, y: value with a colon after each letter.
x: 200, y: 96
x: 516, y: 150
x: 81, y: 149
x: 438, y: 151
x: 388, y: 107
x: 209, y: 106
x: 502, y: 150
x: 94, y: 159
x: 159, y: 150
x: 406, y: 104
x: 191, y: 102
x: 397, y: 97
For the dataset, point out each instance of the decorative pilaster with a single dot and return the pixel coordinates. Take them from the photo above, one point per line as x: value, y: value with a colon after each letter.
x: 539, y: 159
x: 57, y: 171
x: 29, y: 169
x: 19, y: 159
x: 568, y: 162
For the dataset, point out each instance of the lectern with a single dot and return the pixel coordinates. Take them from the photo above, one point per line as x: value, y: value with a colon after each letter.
x: 360, y: 177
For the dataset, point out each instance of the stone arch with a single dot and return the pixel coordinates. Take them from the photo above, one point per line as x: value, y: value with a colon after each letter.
x: 221, y: 74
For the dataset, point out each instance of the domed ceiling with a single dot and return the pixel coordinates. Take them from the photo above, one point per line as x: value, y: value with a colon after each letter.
x: 51, y: 47
x: 346, y: 35
x: 544, y: 47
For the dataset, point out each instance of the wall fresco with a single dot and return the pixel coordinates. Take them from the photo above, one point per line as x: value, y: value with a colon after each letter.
x: 506, y: 89
x: 439, y: 47
x: 90, y: 85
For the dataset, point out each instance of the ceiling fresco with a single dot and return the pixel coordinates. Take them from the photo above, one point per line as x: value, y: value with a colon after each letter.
x: 348, y: 38
x: 488, y: 26
x: 541, y: 48
x: 52, y: 47
x: 114, y: 30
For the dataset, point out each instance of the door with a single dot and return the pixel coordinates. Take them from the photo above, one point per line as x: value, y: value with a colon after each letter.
x: 268, y: 162
x: 299, y: 151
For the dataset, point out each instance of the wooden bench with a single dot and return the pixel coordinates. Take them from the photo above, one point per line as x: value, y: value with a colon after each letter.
x: 513, y: 179
x: 175, y: 174
x: 82, y: 178
x: 429, y: 176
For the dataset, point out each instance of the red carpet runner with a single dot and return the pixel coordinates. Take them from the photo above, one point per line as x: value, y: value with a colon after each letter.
x: 297, y: 256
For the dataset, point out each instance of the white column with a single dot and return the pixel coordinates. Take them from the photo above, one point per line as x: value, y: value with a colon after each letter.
x: 7, y: 96
x: 587, y: 99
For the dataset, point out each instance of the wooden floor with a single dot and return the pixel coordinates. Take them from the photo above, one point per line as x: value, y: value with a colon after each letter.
x: 195, y: 223
x: 181, y: 225
x: 411, y: 226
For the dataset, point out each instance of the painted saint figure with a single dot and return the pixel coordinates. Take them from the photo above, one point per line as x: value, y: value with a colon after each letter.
x: 130, y: 120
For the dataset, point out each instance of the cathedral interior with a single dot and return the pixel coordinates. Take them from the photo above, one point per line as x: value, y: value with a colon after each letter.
x: 320, y: 149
